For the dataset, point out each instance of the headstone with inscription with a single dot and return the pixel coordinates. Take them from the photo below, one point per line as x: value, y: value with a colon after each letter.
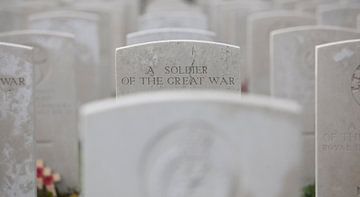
x: 259, y: 27
x: 339, y: 15
x: 203, y: 144
x: 55, y: 99
x: 338, y: 115
x: 169, y: 34
x: 177, y: 64
x: 85, y: 28
x: 17, y: 165
x: 293, y: 75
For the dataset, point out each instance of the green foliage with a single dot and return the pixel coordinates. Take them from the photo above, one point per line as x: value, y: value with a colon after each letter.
x: 309, y: 191
x: 43, y: 193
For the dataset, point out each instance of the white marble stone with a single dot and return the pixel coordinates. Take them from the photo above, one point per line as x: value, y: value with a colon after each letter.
x: 338, y: 115
x: 174, y: 19
x: 172, y: 14
x: 176, y: 65
x: 13, y: 16
x: 310, y: 6
x: 55, y: 99
x: 17, y: 165
x: 85, y: 28
x: 228, y: 21
x: 112, y: 31
x: 169, y: 34
x: 259, y: 27
x: 203, y: 144
x: 293, y: 73
x: 339, y: 15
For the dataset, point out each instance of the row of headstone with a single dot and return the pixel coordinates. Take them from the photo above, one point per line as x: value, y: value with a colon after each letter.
x: 76, y: 56
x: 300, y: 88
x: 293, y: 74
x: 249, y: 24
x: 73, y: 61
x: 55, y: 98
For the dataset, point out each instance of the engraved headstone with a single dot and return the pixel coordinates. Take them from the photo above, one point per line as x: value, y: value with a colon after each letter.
x: 338, y: 115
x: 85, y: 28
x: 177, y: 64
x: 17, y: 165
x: 293, y: 75
x: 260, y: 25
x: 203, y: 144
x: 55, y: 99
x: 169, y: 34
x: 339, y: 15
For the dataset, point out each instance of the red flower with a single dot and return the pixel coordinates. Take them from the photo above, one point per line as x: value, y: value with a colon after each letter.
x: 39, y: 172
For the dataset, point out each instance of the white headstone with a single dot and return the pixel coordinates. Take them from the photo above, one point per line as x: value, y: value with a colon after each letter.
x: 338, y: 115
x: 113, y: 30
x: 55, y: 99
x: 174, y: 19
x: 203, y: 144
x: 228, y: 21
x: 13, y: 16
x: 339, y: 15
x: 310, y: 6
x: 169, y: 34
x: 259, y: 27
x: 177, y: 64
x: 85, y: 28
x: 172, y: 14
x: 293, y: 74
x: 17, y: 165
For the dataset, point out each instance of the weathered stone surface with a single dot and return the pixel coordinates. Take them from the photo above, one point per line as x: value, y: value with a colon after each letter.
x: 339, y: 15
x: 113, y: 21
x: 85, y: 28
x: 13, y: 16
x: 293, y: 73
x: 260, y: 25
x: 177, y: 64
x: 169, y: 34
x: 55, y: 99
x: 338, y: 115
x: 17, y: 165
x: 228, y: 21
x: 203, y: 144
x: 175, y: 19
